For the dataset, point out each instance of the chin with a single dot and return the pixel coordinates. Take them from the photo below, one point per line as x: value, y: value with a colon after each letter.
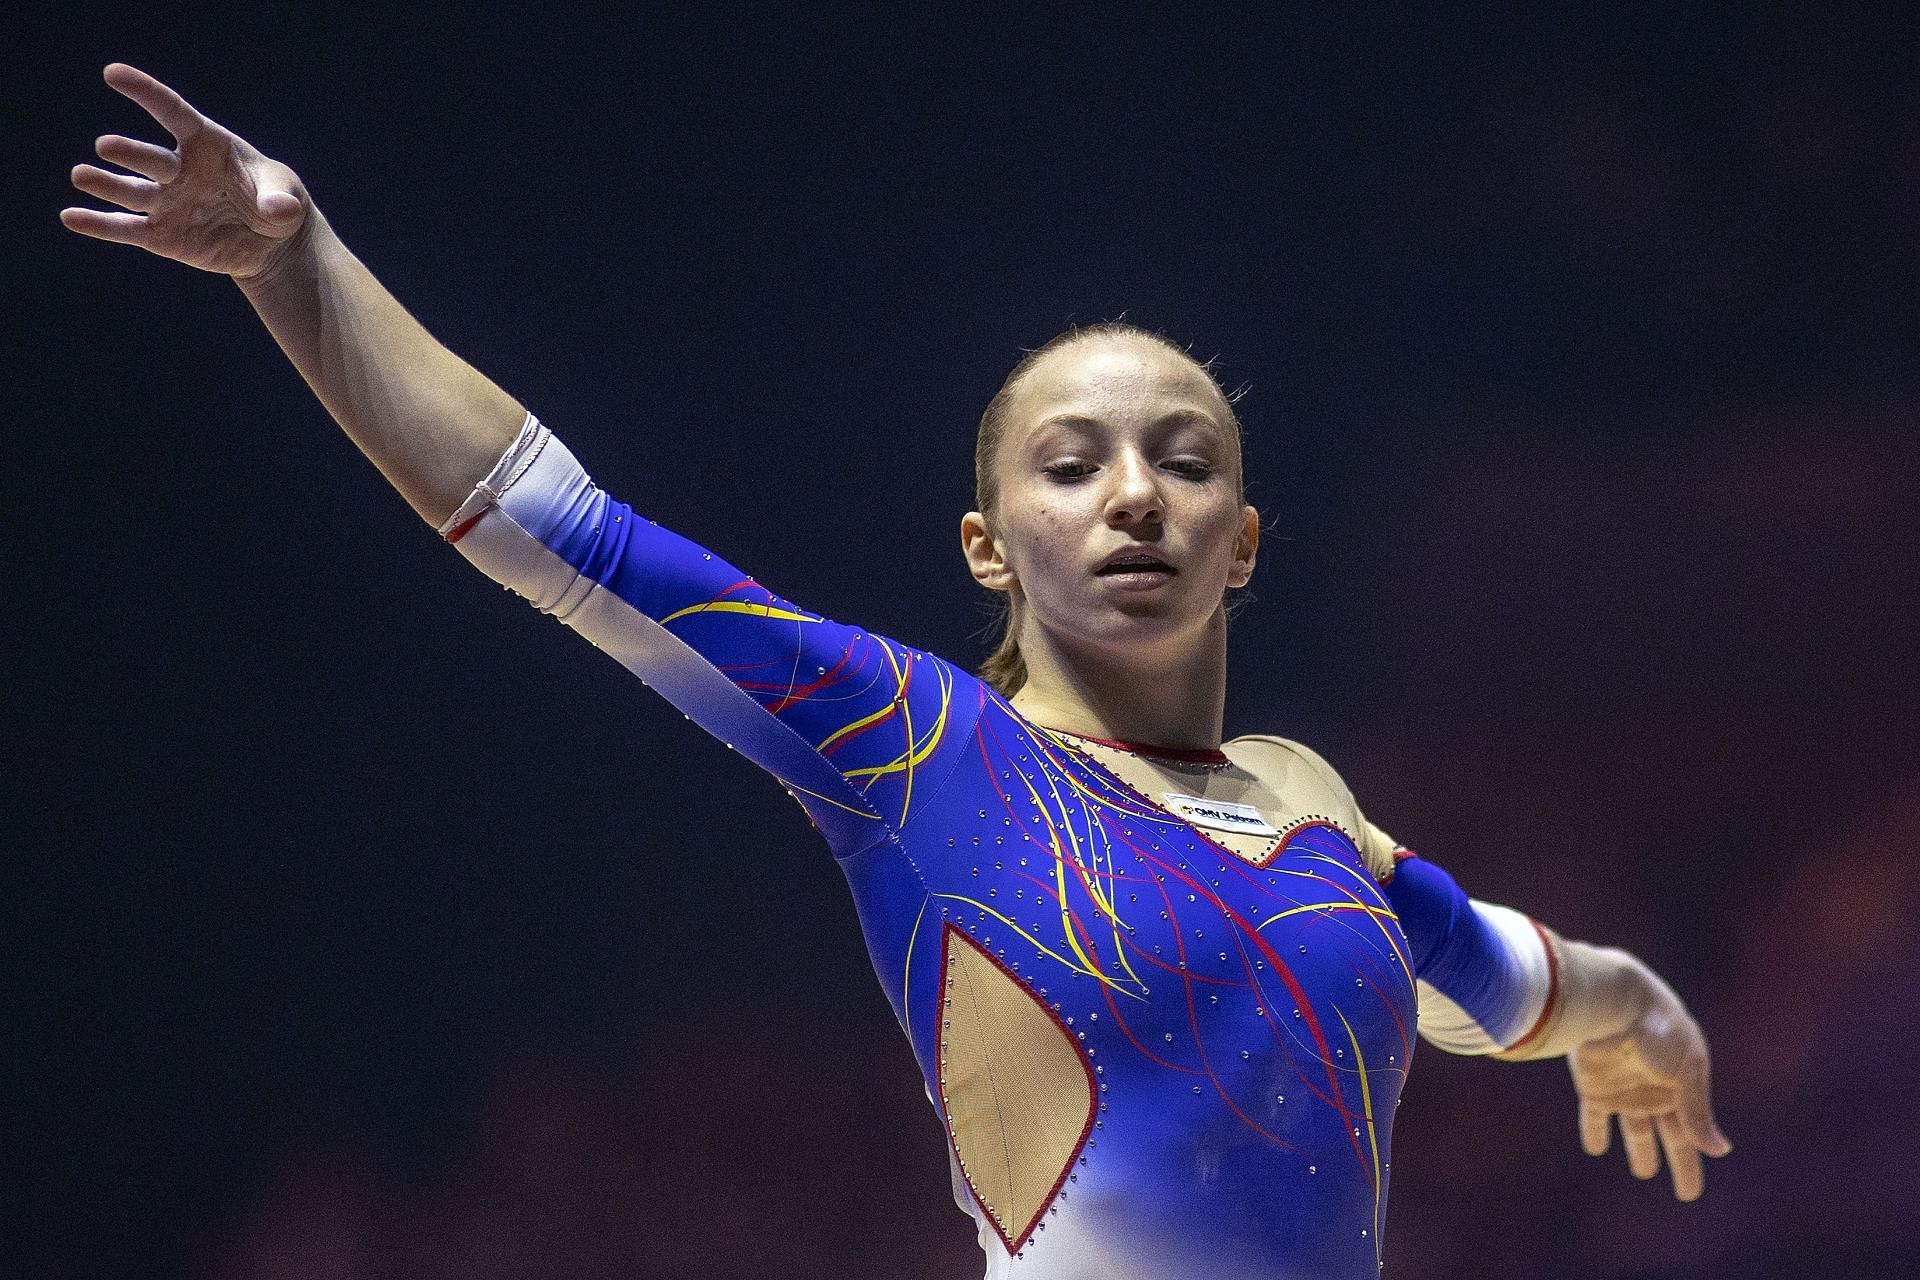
x: 1124, y: 622
x: 1130, y: 623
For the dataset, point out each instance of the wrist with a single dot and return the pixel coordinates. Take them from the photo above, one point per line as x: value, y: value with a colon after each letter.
x: 300, y: 256
x: 1601, y: 992
x: 1623, y: 989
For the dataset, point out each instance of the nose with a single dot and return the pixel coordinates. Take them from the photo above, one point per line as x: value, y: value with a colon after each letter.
x: 1135, y: 496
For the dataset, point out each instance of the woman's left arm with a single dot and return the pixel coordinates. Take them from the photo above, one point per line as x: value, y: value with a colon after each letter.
x: 1636, y: 1053
x: 1497, y: 983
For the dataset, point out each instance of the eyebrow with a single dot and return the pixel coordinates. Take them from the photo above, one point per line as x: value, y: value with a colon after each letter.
x: 1171, y: 421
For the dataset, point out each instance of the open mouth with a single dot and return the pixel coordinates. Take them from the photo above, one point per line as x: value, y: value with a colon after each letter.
x: 1136, y: 564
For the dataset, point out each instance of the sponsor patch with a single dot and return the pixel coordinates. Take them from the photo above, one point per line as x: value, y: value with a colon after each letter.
x: 1219, y: 815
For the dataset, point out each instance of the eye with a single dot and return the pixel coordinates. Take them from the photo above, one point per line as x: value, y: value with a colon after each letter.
x: 1192, y: 468
x: 1071, y: 469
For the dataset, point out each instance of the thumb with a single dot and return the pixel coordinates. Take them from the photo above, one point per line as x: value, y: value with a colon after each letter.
x: 279, y: 198
x: 279, y: 207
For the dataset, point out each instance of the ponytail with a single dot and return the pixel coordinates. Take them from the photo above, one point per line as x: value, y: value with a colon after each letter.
x: 1005, y: 670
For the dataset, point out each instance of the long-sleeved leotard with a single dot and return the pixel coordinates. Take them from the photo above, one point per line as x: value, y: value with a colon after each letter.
x: 1164, y: 1027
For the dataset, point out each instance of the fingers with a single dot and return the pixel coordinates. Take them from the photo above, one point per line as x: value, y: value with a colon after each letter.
x: 1643, y: 1156
x: 143, y: 158
x: 137, y: 194
x: 163, y: 104
x: 1683, y: 1158
x: 1654, y: 1078
x: 1595, y: 1133
x: 121, y: 228
x: 1696, y: 1114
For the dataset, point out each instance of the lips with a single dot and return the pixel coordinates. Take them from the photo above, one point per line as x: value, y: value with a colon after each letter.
x: 1135, y: 562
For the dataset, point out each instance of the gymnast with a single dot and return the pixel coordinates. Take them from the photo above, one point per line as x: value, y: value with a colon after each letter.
x: 1163, y: 989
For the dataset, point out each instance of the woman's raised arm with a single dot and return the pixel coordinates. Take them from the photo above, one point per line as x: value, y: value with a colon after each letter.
x: 430, y: 422
x: 845, y: 718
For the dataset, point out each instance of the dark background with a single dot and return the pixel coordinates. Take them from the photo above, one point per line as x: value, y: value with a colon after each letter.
x: 358, y: 921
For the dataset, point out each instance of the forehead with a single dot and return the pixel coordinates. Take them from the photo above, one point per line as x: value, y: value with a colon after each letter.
x: 1120, y: 380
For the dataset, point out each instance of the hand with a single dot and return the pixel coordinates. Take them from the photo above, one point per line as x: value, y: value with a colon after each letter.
x: 213, y: 202
x: 1654, y: 1076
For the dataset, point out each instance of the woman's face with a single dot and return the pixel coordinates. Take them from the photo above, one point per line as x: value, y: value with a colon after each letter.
x: 1116, y: 447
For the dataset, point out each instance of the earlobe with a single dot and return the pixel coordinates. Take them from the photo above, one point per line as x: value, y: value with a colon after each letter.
x: 984, y: 560
x: 1245, y: 549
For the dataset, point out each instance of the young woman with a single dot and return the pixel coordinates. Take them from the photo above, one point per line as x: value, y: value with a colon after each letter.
x: 1163, y: 989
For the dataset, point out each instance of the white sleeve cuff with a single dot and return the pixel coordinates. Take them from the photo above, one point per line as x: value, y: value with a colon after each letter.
x: 506, y: 525
x: 512, y: 464
x: 1529, y: 988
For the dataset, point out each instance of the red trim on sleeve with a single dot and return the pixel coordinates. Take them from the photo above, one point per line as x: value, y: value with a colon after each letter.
x: 1553, y: 992
x: 1400, y: 854
x: 461, y: 530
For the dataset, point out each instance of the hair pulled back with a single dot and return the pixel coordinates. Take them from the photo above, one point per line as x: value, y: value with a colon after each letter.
x: 1005, y: 669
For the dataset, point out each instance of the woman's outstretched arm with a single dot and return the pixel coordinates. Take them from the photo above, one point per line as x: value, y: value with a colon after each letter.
x: 845, y: 718
x: 429, y: 421
x: 1496, y: 982
x: 1636, y: 1053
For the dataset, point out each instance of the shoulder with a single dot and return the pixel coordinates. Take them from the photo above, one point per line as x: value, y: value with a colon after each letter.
x: 1296, y: 768
x: 1284, y: 757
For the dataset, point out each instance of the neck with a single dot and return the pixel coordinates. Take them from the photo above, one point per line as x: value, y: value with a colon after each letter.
x: 1168, y: 695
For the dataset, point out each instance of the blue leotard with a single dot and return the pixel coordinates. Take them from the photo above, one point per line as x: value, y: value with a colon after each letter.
x: 1154, y: 1055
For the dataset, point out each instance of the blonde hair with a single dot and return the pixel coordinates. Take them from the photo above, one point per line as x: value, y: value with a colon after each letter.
x: 1005, y: 669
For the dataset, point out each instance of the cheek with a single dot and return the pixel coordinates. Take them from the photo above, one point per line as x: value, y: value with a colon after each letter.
x: 1042, y: 536
x: 1034, y: 513
x: 1222, y: 536
x: 1034, y: 537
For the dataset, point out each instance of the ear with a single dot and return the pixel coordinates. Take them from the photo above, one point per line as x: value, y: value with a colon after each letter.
x: 1244, y: 548
x: 984, y: 560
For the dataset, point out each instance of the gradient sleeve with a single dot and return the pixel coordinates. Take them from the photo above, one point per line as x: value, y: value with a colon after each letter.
x: 1487, y: 976
x: 841, y: 716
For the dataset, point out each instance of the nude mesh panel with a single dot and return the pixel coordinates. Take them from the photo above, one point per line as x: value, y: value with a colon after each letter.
x: 1287, y: 783
x: 1017, y: 1094
x: 1305, y: 782
x: 1258, y: 850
